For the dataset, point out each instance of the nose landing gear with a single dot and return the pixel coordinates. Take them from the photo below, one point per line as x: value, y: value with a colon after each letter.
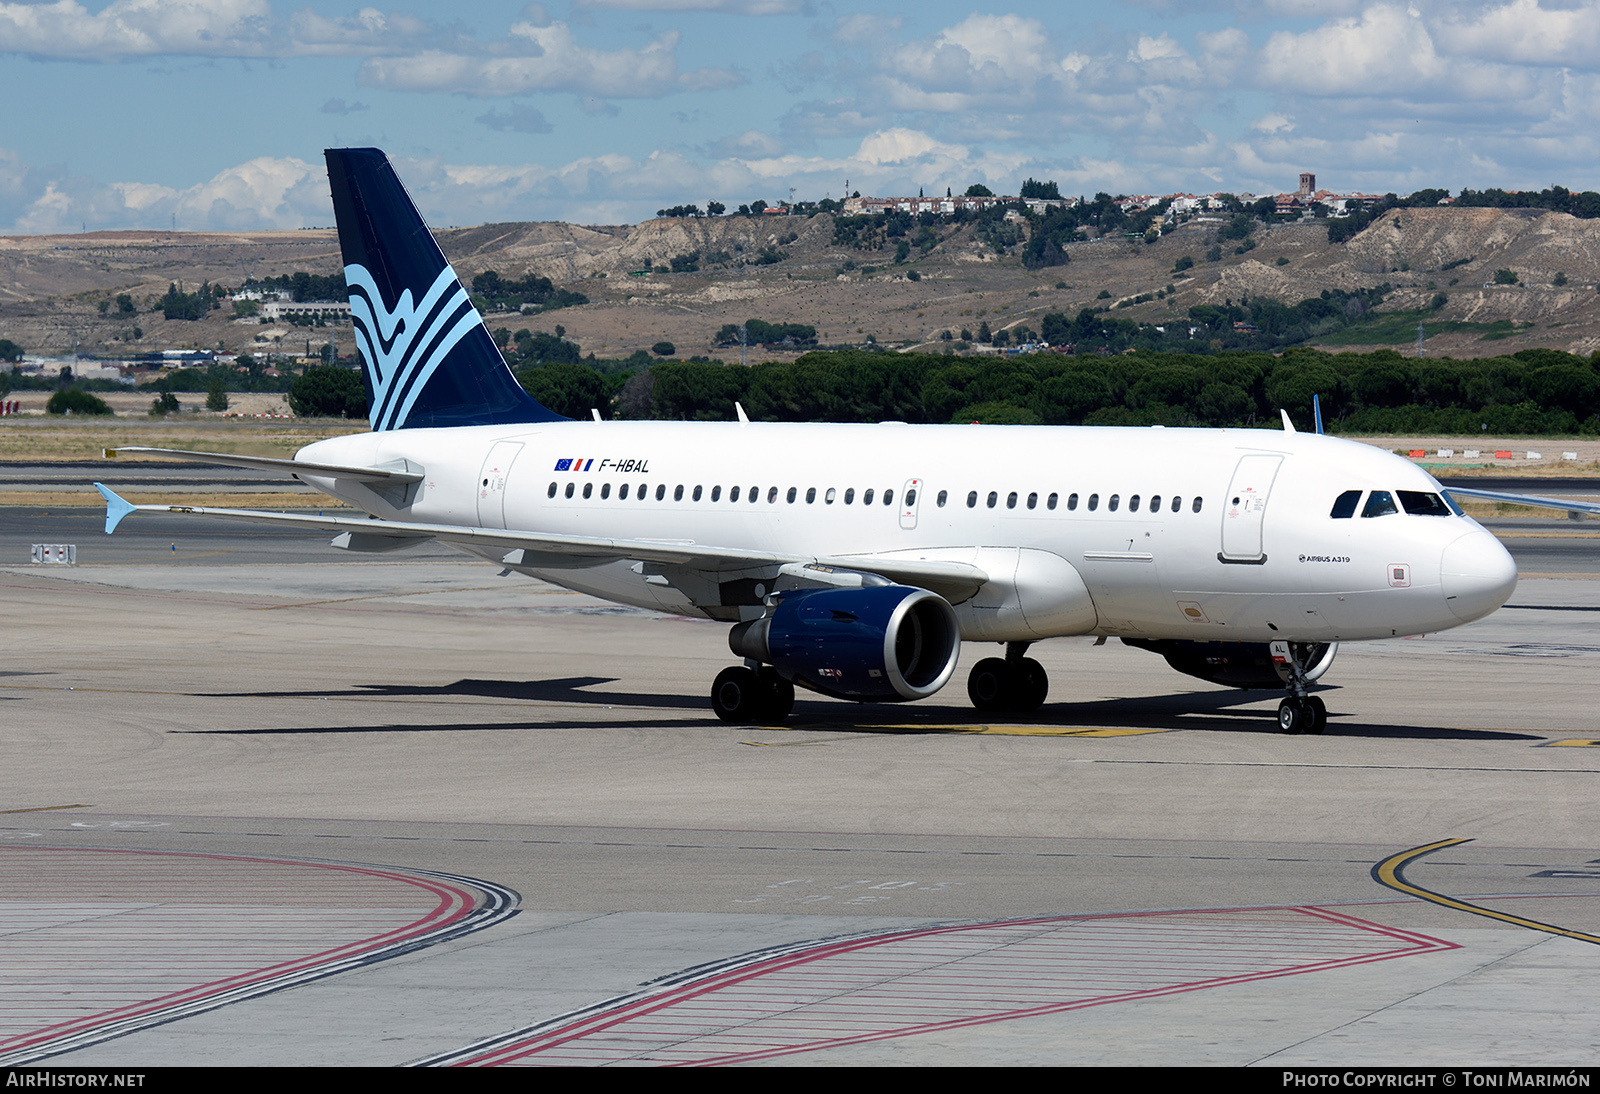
x: 1298, y: 665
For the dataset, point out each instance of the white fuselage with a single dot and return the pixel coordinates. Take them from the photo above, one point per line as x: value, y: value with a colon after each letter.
x: 1221, y: 535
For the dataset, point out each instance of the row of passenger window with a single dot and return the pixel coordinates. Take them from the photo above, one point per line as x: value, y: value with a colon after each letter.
x: 753, y: 496
x: 1113, y: 503
x: 1381, y: 503
x: 831, y: 495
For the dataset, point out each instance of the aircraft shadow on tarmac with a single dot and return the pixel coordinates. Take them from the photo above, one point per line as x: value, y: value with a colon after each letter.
x: 1193, y: 710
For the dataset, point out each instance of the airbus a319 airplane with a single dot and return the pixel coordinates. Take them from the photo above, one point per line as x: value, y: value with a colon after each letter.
x: 853, y: 560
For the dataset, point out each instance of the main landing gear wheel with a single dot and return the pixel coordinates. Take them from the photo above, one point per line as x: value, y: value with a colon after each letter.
x: 740, y: 694
x: 1308, y: 715
x: 997, y: 685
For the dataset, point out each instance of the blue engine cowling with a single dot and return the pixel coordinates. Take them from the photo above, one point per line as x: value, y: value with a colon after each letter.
x: 874, y: 645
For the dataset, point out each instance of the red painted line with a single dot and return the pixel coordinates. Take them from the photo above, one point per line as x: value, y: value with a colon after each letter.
x: 451, y: 905
x: 826, y: 1005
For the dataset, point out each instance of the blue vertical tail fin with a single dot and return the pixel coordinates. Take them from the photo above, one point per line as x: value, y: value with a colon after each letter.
x: 426, y: 357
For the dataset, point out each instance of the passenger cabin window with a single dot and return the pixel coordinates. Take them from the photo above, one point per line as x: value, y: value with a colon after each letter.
x: 1094, y: 502
x: 772, y: 495
x: 1177, y: 503
x: 944, y: 496
x: 911, y: 498
x: 733, y: 495
x: 866, y: 498
x: 1422, y: 504
x: 1033, y: 501
x: 850, y: 495
x: 661, y: 491
x: 1133, y: 504
x: 716, y: 493
x: 551, y: 492
x: 993, y: 498
x: 888, y: 497
x: 1011, y: 500
x: 1072, y: 502
x: 1344, y: 506
x: 605, y: 491
x: 696, y: 495
x: 588, y: 488
x: 1196, y: 505
x: 570, y: 488
x: 622, y: 494
x: 811, y: 495
x: 790, y: 495
x: 972, y: 499
x: 1379, y: 504
x: 1050, y: 502
x: 828, y: 498
x: 1112, y: 504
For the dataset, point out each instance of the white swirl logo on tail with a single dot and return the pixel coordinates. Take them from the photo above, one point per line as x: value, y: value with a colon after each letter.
x: 403, y: 345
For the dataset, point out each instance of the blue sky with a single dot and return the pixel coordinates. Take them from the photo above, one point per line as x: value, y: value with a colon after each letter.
x: 213, y: 113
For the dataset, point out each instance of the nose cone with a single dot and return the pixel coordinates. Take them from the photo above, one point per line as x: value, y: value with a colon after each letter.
x: 1477, y: 575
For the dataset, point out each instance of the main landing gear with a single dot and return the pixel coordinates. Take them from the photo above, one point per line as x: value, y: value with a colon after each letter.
x: 1298, y: 664
x: 742, y: 694
x: 1016, y: 684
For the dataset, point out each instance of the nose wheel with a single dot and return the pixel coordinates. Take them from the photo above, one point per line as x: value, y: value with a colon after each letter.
x: 1298, y: 664
x: 1307, y: 715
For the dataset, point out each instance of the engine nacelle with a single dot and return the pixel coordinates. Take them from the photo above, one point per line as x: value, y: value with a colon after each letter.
x: 1235, y: 664
x: 873, y: 645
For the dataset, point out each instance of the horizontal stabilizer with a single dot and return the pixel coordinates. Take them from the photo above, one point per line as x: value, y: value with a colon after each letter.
x: 116, y: 507
x: 286, y: 467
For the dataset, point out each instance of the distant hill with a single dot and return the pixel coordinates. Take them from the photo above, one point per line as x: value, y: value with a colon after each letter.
x: 795, y: 270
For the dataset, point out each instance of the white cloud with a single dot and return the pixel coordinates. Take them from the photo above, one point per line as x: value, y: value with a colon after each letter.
x: 1526, y: 32
x: 136, y: 28
x: 864, y: 28
x: 1160, y: 48
x: 1272, y: 123
x: 548, y: 58
x: 728, y: 7
x: 982, y: 53
x: 263, y: 193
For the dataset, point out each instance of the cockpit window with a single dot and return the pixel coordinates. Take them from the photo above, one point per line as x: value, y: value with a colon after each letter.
x: 1421, y: 504
x: 1454, y: 508
x: 1344, y: 506
x: 1380, y: 503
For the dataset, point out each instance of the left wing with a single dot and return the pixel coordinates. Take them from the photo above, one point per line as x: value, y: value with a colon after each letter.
x: 955, y: 581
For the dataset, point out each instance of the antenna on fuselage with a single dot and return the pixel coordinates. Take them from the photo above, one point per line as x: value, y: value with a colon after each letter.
x: 744, y: 419
x: 1288, y: 426
x: 596, y: 412
x: 1316, y: 411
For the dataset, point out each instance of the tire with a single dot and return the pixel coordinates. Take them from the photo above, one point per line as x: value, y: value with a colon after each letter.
x: 1318, y: 721
x: 1032, y: 686
x: 1292, y: 716
x: 736, y: 695
x: 777, y: 695
x: 989, y: 685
